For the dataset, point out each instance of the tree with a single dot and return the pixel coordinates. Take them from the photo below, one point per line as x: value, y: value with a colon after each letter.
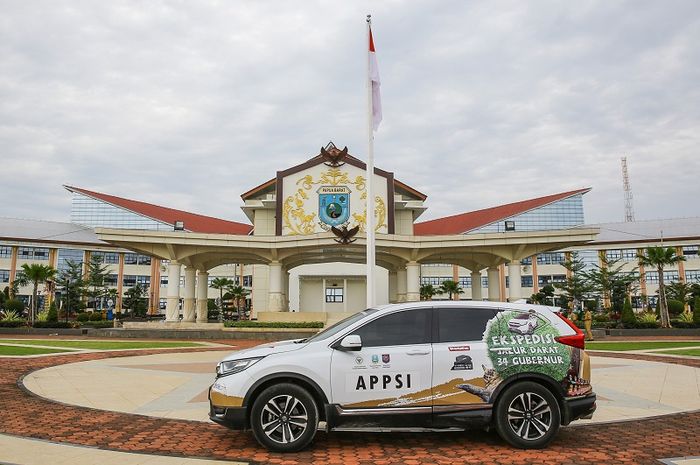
x: 238, y: 293
x: 427, y: 291
x: 36, y: 274
x: 96, y: 277
x: 451, y: 288
x: 612, y: 282
x: 221, y: 284
x: 696, y: 312
x: 134, y: 300
x: 545, y: 295
x: 70, y: 282
x: 680, y: 291
x: 660, y: 257
x: 628, y: 318
x: 577, y: 287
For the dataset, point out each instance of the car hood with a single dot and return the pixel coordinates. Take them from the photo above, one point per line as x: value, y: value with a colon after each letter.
x: 266, y: 349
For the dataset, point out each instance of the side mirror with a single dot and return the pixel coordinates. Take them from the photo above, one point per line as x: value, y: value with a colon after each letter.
x: 351, y: 342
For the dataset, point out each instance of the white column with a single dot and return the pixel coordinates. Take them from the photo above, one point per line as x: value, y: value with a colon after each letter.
x: 393, y: 287
x: 323, y: 295
x: 188, y: 304
x: 515, y: 290
x: 412, y: 282
x: 202, y: 296
x: 494, y: 284
x: 345, y: 295
x: 401, y: 285
x: 275, y: 298
x: 172, y: 307
x: 476, y: 285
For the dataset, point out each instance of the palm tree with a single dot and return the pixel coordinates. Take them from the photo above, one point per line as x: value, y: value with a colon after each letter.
x: 659, y: 257
x: 238, y: 293
x: 427, y: 291
x: 221, y: 284
x: 450, y: 287
x: 35, y: 273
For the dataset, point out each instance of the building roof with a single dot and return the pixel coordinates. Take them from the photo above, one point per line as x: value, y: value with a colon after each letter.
x: 465, y: 222
x: 647, y: 230
x: 21, y: 230
x: 193, y: 221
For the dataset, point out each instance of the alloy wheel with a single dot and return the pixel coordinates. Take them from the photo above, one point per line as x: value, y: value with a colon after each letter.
x: 284, y: 419
x: 529, y: 416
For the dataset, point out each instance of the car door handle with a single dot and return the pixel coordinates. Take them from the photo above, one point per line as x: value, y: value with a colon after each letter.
x: 418, y: 352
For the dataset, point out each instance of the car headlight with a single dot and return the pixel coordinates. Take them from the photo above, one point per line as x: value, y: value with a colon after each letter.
x: 229, y: 367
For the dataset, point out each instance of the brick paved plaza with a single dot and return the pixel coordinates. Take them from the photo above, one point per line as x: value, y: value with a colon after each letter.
x: 30, y: 416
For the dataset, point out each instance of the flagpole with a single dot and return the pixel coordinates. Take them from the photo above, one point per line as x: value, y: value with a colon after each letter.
x: 371, y: 260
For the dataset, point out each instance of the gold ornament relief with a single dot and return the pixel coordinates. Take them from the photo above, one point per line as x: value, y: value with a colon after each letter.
x: 298, y: 221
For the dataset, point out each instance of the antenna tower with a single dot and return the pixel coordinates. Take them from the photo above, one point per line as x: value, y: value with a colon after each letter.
x: 629, y: 208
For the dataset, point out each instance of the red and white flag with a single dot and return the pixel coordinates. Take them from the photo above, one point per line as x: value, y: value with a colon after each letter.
x: 374, y: 79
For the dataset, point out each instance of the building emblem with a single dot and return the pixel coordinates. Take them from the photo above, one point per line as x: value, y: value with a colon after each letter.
x: 333, y: 205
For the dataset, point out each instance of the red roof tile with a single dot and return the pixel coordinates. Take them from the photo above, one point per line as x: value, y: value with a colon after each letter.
x: 465, y: 222
x: 193, y: 222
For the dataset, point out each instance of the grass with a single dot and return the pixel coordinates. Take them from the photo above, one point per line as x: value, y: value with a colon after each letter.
x: 641, y: 345
x: 100, y: 345
x: 691, y: 352
x: 15, y: 350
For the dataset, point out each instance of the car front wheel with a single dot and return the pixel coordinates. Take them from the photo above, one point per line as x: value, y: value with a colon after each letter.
x: 284, y: 418
x: 527, y: 415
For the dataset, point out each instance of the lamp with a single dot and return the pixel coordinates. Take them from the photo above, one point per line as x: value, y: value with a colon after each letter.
x: 510, y: 225
x: 179, y: 226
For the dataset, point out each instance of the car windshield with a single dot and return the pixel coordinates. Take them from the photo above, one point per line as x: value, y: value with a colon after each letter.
x: 341, y: 325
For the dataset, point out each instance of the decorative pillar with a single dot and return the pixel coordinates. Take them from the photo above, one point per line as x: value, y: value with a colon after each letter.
x: 202, y: 296
x: 476, y: 285
x: 401, y: 285
x: 412, y: 282
x: 188, y: 313
x: 494, y: 284
x: 275, y: 297
x: 120, y: 283
x: 172, y: 307
x: 515, y: 291
x: 393, y: 287
x: 455, y: 278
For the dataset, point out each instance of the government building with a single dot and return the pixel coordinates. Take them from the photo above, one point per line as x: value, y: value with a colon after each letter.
x: 302, y: 256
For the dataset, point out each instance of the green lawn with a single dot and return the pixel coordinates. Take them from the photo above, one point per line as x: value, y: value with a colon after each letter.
x: 691, y: 352
x: 642, y: 345
x: 15, y: 350
x: 100, y: 345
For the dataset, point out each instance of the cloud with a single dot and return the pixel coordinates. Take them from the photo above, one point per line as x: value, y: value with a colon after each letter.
x: 191, y: 104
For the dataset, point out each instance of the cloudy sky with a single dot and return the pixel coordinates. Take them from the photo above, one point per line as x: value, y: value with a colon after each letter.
x: 190, y: 104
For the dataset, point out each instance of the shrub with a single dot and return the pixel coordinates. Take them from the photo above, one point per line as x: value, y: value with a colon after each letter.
x: 53, y: 312
x: 42, y: 316
x: 675, y: 307
x: 14, y: 305
x: 53, y: 324
x: 628, y: 318
x: 646, y: 325
x: 647, y: 318
x: 12, y: 323
x: 685, y: 317
x: 82, y: 316
x: 273, y: 324
x: 97, y: 324
x: 683, y: 324
x: 10, y: 315
x: 95, y: 316
x: 696, y: 312
x: 601, y: 317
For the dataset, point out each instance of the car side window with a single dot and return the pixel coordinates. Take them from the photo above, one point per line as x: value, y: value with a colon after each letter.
x: 401, y: 328
x: 462, y: 324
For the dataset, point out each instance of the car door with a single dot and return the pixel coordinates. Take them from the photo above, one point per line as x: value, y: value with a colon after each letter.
x: 391, y: 374
x: 461, y: 363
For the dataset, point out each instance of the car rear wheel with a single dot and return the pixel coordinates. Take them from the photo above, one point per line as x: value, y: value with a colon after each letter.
x: 527, y: 415
x: 284, y: 418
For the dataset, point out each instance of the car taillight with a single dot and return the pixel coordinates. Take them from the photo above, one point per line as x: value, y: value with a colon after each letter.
x: 575, y: 340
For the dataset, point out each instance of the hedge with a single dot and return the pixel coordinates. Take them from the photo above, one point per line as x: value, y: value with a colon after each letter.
x: 53, y: 324
x: 12, y: 324
x: 273, y: 324
x: 97, y: 324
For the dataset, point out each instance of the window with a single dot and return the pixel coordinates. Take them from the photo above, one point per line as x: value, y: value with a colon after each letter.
x: 553, y: 258
x: 33, y: 253
x: 671, y: 276
x: 484, y: 281
x: 164, y: 280
x: 130, y: 259
x: 143, y: 259
x: 5, y: 251
x: 629, y: 254
x: 690, y: 251
x: 614, y: 254
x: 462, y: 324
x: 401, y: 328
x: 465, y: 281
x: 143, y: 280
x: 526, y: 281
x: 129, y: 280
x: 652, y: 276
x: 526, y: 261
x: 108, y: 258
x: 692, y: 276
x: 334, y: 295
x: 111, y: 280
x: 248, y: 280
x: 4, y: 276
x: 69, y: 255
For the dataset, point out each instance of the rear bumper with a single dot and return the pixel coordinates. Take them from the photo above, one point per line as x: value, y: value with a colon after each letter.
x: 578, y: 408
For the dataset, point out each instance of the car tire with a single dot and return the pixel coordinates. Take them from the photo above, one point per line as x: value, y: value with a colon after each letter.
x: 527, y: 415
x: 284, y: 418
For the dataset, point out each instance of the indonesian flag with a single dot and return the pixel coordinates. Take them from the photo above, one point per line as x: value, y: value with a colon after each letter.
x: 374, y: 79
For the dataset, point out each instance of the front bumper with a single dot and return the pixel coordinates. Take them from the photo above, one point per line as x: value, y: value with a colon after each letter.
x: 230, y: 417
x: 579, y: 407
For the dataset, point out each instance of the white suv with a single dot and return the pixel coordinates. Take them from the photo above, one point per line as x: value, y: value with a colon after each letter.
x: 518, y: 367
